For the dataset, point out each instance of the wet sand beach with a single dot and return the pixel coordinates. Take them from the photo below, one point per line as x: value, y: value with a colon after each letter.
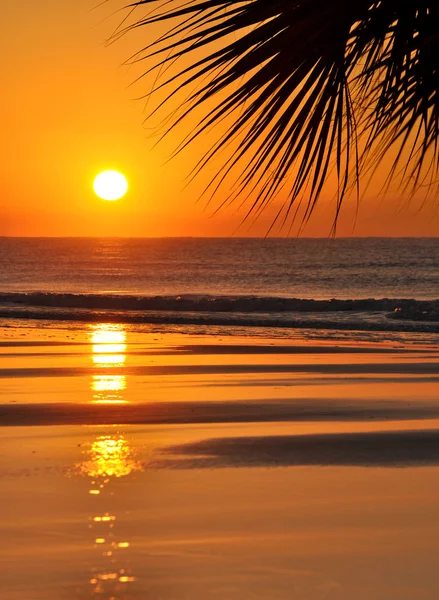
x: 158, y: 466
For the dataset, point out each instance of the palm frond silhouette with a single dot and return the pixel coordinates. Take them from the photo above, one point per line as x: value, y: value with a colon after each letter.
x: 312, y: 85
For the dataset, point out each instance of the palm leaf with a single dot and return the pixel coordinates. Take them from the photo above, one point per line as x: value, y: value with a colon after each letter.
x: 311, y: 85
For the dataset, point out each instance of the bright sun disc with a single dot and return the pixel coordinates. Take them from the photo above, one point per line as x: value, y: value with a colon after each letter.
x: 110, y: 185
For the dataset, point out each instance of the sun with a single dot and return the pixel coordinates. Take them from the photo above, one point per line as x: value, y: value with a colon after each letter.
x: 110, y: 185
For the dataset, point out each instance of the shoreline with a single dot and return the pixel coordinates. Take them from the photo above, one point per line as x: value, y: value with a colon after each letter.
x: 354, y: 322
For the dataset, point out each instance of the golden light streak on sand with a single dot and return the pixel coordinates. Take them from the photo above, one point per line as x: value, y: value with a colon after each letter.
x: 109, y: 383
x: 109, y: 360
x: 108, y: 350
x: 108, y: 389
x: 108, y: 333
x: 108, y: 345
x: 109, y: 456
x: 104, y: 518
x: 107, y: 576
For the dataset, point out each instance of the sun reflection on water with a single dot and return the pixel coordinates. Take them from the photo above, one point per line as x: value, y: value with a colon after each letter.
x: 108, y: 350
x: 108, y: 345
x: 108, y: 389
x: 108, y: 458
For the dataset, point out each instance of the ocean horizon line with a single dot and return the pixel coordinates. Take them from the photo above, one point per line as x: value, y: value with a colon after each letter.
x: 210, y: 237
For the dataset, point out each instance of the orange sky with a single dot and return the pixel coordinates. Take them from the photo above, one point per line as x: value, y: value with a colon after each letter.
x: 68, y: 112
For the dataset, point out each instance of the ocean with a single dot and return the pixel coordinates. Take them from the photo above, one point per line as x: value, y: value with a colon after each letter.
x: 350, y: 283
x: 214, y: 419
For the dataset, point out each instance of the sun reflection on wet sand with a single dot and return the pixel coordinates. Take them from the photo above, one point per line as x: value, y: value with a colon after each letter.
x: 108, y: 350
x: 107, y: 458
x: 108, y: 345
x: 108, y: 389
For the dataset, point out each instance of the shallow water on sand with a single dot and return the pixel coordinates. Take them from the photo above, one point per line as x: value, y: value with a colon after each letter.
x: 138, y: 466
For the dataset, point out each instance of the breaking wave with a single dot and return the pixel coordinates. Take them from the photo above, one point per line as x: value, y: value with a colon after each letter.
x: 207, y: 303
x: 386, y: 314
